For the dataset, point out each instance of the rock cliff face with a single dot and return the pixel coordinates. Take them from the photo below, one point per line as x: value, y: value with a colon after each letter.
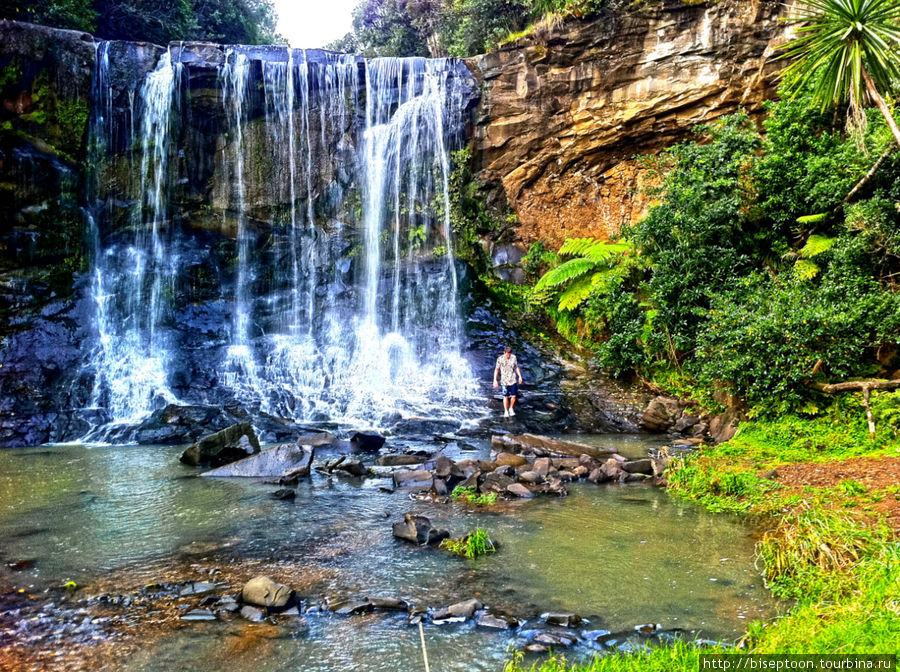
x: 563, y: 116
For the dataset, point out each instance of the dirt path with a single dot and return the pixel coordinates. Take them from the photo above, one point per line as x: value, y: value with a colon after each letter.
x: 874, y: 473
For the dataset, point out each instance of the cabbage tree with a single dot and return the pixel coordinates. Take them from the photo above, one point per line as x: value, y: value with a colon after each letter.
x: 847, y: 51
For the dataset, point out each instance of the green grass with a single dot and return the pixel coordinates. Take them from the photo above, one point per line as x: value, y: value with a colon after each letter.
x: 472, y: 545
x: 678, y: 656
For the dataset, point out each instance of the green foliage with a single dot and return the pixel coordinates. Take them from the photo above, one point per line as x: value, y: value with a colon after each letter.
x: 457, y: 28
x: 810, y: 543
x: 769, y: 338
x: 72, y: 14
x: 886, y: 411
x: 700, y: 237
x: 538, y: 259
x: 594, y: 266
x: 233, y: 22
x: 470, y: 216
x: 472, y: 545
x: 470, y: 495
x: 808, y: 166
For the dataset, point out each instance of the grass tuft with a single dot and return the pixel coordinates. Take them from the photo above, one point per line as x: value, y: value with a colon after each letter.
x: 472, y: 545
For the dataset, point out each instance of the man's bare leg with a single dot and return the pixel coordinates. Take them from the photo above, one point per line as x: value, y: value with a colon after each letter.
x: 505, y: 406
x: 512, y: 403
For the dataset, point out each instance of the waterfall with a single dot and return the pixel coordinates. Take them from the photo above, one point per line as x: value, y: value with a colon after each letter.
x: 332, y: 177
x: 133, y: 274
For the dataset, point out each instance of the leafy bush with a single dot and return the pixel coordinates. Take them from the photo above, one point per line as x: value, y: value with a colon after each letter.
x: 700, y: 237
x: 768, y: 338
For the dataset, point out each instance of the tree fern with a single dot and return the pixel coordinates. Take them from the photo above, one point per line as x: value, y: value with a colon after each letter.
x: 576, y: 293
x: 816, y: 245
x: 595, y: 250
x: 565, y: 272
x: 806, y: 269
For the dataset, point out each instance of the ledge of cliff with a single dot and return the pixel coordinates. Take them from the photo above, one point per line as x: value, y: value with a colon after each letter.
x: 562, y: 116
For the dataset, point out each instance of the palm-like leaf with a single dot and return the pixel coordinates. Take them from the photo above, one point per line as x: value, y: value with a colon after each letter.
x: 838, y: 43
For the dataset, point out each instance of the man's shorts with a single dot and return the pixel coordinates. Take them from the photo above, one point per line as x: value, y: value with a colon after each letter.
x: 511, y: 390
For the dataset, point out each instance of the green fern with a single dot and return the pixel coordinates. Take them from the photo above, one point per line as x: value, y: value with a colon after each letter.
x: 575, y: 294
x: 597, y: 251
x: 565, y: 272
x: 816, y: 245
x: 813, y: 219
x: 806, y: 269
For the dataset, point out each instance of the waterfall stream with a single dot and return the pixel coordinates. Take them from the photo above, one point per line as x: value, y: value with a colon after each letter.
x: 340, y: 301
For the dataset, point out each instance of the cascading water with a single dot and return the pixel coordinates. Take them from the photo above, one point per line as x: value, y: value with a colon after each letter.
x: 342, y: 302
x: 134, y: 273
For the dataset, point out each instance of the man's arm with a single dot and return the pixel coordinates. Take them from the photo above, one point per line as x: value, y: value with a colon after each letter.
x: 496, y: 371
x: 519, y: 372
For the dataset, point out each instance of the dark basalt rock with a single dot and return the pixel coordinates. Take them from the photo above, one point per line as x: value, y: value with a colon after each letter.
x: 563, y: 618
x: 352, y: 468
x: 367, y: 442
x: 224, y: 447
x: 496, y: 621
x: 399, y: 460
x: 418, y: 530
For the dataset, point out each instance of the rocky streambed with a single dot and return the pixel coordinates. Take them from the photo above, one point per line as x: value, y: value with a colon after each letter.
x: 158, y: 560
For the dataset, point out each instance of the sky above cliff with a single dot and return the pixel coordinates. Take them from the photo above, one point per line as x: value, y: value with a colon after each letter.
x: 307, y: 24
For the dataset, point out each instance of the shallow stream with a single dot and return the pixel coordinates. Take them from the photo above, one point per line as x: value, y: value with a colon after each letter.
x: 619, y: 555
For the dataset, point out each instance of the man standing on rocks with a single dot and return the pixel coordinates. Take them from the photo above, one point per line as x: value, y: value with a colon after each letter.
x: 507, y: 369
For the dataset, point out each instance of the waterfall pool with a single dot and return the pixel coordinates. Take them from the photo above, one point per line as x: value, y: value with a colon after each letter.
x: 619, y: 555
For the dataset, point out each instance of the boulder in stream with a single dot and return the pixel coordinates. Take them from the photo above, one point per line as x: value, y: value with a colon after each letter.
x: 261, y: 591
x: 367, y: 442
x: 286, y: 461
x: 229, y: 445
x: 418, y: 530
x: 418, y: 479
x: 543, y: 445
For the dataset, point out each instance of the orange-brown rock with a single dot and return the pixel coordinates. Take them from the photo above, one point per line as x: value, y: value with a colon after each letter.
x: 563, y: 116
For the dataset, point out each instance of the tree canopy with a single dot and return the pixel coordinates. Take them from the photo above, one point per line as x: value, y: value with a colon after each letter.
x: 159, y: 21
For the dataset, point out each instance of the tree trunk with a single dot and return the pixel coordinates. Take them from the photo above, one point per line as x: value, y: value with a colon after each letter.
x: 864, y: 386
x: 868, y: 176
x: 879, y: 101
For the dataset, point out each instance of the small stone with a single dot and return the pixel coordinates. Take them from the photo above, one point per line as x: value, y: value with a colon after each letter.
x: 648, y: 629
x: 510, y: 460
x: 564, y: 618
x: 199, y: 615
x: 530, y: 477
x: 443, y: 466
x: 197, y: 588
x: 492, y: 622
x: 354, y: 607
x: 643, y: 466
x: 542, y: 466
x: 388, y: 603
x: 284, y: 493
x: 519, y: 490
